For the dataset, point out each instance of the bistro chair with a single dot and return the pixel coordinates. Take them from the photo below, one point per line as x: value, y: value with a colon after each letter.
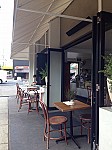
x: 23, y: 98
x: 33, y: 100
x: 55, y: 120
x: 86, y: 123
x: 17, y: 92
x: 89, y: 94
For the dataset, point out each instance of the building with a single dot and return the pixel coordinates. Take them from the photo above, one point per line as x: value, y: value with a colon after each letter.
x: 66, y: 31
x: 21, y: 69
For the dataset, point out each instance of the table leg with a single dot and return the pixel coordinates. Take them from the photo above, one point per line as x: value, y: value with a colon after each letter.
x: 71, y: 132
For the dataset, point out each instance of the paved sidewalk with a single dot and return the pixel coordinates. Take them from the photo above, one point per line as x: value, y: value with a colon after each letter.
x: 6, y: 90
x: 3, y: 123
x: 20, y: 131
x: 26, y: 131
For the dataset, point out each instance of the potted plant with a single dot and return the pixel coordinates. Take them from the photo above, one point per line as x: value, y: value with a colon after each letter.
x: 108, y: 73
x: 43, y: 73
x: 70, y: 95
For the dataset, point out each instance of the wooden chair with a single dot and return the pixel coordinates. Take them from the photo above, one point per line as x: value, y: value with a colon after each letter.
x: 17, y: 92
x: 55, y: 120
x: 23, y: 98
x: 89, y: 94
x: 33, y: 100
x: 86, y: 123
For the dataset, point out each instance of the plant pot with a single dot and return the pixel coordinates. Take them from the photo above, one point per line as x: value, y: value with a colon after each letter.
x: 46, y: 80
x: 109, y: 88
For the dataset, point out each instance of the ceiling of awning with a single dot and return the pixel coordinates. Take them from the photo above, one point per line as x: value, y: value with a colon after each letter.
x: 31, y: 21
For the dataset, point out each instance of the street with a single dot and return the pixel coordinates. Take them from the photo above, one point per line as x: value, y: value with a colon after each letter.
x: 9, y: 88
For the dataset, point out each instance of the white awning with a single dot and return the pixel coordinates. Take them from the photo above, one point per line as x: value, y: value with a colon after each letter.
x: 30, y: 22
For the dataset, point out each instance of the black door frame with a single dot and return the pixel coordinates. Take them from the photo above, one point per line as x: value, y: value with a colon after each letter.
x: 48, y: 50
x: 100, y: 24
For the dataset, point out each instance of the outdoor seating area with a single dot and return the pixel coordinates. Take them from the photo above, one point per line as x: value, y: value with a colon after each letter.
x: 27, y: 95
x: 27, y: 131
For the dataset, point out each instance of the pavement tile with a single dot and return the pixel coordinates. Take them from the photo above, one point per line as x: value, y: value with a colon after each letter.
x: 3, y: 146
x: 4, y: 134
x: 3, y: 100
x: 3, y: 111
x: 3, y: 118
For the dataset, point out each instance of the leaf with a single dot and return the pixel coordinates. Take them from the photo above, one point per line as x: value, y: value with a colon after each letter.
x: 108, y: 67
x: 43, y: 72
x: 69, y: 94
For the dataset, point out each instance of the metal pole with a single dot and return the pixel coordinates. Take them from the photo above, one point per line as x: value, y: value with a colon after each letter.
x: 48, y: 82
x: 93, y: 79
x: 62, y: 75
x: 97, y: 87
x: 101, y: 60
x: 56, y: 15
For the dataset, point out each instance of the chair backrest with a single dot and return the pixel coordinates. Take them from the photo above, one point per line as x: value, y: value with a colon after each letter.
x: 17, y: 87
x: 89, y: 92
x: 21, y: 93
x: 45, y: 111
x: 37, y: 95
x: 17, y: 84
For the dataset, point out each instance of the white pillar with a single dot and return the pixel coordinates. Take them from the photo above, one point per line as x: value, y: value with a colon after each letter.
x: 31, y: 63
x: 55, y: 62
x: 100, y: 5
x: 54, y: 33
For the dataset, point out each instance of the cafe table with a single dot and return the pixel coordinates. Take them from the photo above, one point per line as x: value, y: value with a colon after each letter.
x: 67, y: 106
x: 29, y: 89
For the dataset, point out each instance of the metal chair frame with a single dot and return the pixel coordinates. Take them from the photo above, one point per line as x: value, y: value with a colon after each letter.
x: 86, y: 123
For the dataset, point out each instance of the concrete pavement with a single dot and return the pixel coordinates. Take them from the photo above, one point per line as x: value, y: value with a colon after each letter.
x: 20, y: 131
x: 3, y: 123
x: 6, y: 90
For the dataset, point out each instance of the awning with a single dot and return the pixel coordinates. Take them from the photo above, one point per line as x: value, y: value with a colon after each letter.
x: 31, y: 21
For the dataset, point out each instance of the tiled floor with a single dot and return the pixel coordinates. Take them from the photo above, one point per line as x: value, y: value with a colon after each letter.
x: 26, y: 131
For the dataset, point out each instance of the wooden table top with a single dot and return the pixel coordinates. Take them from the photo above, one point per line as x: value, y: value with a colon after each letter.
x: 77, y: 106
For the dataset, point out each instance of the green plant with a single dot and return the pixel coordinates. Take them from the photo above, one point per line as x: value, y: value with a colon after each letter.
x: 108, y: 68
x: 69, y: 94
x: 43, y: 72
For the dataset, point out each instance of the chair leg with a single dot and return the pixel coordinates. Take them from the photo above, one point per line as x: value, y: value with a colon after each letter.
x: 37, y: 107
x: 29, y: 107
x: 89, y: 135
x: 65, y: 133
x: 81, y: 126
x: 48, y: 136
x: 61, y: 129
x: 20, y: 105
x: 17, y: 99
x: 45, y: 131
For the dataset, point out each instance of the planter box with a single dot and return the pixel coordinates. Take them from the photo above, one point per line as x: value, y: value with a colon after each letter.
x: 105, y: 128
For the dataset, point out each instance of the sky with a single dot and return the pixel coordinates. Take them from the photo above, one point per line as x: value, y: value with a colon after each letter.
x: 6, y: 22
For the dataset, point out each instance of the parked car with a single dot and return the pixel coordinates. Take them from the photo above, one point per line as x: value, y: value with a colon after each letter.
x: 3, y: 76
